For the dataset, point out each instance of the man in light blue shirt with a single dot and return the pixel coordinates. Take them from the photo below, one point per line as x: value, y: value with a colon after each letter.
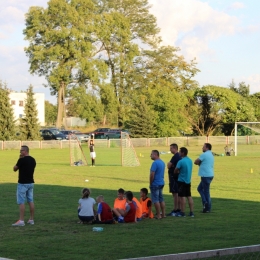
x: 206, y: 172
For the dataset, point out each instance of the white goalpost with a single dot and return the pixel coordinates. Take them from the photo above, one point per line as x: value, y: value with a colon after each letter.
x: 77, y: 156
x: 254, y: 126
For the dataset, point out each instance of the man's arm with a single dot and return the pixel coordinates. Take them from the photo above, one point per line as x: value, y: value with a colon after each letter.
x: 15, y: 168
x: 177, y: 170
x: 197, y: 161
x: 151, y: 177
x: 169, y: 165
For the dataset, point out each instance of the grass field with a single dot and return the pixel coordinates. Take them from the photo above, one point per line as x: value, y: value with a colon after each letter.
x: 234, y: 220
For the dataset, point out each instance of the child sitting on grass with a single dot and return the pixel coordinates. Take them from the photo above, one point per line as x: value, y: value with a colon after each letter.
x: 104, y: 212
x: 146, y: 204
x: 129, y: 214
x: 86, y: 207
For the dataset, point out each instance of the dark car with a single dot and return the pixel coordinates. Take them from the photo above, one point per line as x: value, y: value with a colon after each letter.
x: 66, y: 133
x: 52, y: 134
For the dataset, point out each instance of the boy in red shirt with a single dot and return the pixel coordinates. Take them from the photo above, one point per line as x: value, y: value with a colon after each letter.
x: 146, y: 204
x: 129, y: 214
x: 104, y: 212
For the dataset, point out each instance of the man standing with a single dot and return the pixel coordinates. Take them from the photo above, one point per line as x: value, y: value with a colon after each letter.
x: 26, y: 165
x: 157, y: 183
x: 173, y: 178
x: 206, y: 172
x: 92, y: 152
x: 184, y: 169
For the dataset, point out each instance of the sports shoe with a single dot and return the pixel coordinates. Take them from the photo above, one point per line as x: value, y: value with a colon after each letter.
x: 170, y: 214
x: 18, y: 223
x: 30, y: 221
x: 191, y: 215
x: 121, y: 221
x: 180, y: 214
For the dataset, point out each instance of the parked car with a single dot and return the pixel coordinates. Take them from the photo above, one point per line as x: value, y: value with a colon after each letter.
x: 66, y: 133
x: 108, y: 135
x: 82, y: 137
x: 52, y: 134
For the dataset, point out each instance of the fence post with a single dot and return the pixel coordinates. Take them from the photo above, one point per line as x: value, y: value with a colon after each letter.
x: 148, y: 142
x: 187, y: 141
x: 247, y: 139
x: 108, y: 143
x: 2, y: 145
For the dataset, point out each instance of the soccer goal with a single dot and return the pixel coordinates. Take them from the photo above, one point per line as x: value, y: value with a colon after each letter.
x: 77, y: 156
x: 253, y: 126
x: 128, y: 154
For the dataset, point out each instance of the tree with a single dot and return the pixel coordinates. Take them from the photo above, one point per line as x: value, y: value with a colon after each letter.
x: 142, y: 121
x: 50, y: 113
x: 242, y: 88
x: 29, y: 126
x: 254, y: 99
x: 213, y: 107
x: 61, y: 46
x: 7, y: 127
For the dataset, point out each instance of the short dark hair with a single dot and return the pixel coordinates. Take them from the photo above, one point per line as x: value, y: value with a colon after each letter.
x: 156, y: 152
x: 175, y: 146
x: 184, y: 150
x: 26, y: 148
x: 129, y: 195
x: 121, y: 191
x: 144, y: 190
x: 208, y: 145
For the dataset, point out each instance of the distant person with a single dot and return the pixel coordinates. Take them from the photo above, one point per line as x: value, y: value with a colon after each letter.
x: 173, y: 178
x: 157, y: 184
x: 92, y: 152
x: 26, y: 165
x: 129, y: 214
x: 146, y: 203
x: 86, y: 210
x: 104, y: 212
x: 206, y: 172
x: 184, y: 170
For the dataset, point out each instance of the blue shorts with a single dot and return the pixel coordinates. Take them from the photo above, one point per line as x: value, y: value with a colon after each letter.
x: 24, y: 192
x: 156, y: 193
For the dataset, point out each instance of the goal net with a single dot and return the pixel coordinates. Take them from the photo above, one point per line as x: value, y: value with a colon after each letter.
x: 128, y: 154
x: 245, y: 129
x: 77, y: 156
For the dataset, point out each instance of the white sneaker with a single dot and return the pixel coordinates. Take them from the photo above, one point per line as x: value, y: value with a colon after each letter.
x: 18, y: 223
x: 30, y: 221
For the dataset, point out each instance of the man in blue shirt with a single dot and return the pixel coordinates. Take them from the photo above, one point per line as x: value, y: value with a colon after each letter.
x: 157, y: 183
x: 184, y: 169
x: 206, y: 172
x: 173, y: 178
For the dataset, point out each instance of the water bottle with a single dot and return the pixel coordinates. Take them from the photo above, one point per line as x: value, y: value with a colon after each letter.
x: 97, y: 229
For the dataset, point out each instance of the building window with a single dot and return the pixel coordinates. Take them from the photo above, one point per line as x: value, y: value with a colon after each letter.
x: 20, y: 103
x: 12, y: 102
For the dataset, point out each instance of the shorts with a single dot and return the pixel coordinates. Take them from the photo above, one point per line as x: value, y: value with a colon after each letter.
x: 173, y: 184
x: 24, y: 192
x: 93, y: 155
x: 86, y: 218
x: 156, y: 193
x: 184, y: 189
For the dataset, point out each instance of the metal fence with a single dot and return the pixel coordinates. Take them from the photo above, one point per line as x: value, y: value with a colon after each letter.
x: 138, y: 142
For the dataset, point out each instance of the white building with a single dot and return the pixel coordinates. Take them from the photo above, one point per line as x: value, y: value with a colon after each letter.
x: 18, y: 102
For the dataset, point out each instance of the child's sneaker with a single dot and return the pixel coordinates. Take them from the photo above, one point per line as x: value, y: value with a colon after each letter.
x: 121, y: 221
x: 191, y: 214
x: 180, y: 214
x: 18, y: 223
x: 30, y: 221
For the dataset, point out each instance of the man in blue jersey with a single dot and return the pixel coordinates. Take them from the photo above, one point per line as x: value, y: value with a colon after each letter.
x: 184, y: 169
x: 206, y: 172
x: 157, y: 183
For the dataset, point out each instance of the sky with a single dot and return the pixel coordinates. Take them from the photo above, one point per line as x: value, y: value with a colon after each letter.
x: 222, y: 35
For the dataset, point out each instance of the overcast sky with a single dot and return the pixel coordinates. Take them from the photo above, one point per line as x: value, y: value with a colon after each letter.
x: 223, y: 36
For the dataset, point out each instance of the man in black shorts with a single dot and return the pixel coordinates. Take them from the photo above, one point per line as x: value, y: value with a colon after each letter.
x: 173, y: 179
x: 184, y: 169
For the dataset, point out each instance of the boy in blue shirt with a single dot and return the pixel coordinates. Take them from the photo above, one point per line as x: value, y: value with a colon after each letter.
x: 184, y: 169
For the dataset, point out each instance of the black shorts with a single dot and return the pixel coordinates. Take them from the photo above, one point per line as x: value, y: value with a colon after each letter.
x: 173, y: 184
x: 184, y: 189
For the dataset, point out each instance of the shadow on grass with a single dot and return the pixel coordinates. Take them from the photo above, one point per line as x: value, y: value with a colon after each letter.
x: 56, y: 234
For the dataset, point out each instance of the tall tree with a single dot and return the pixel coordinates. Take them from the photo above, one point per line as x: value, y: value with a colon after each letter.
x: 7, y: 127
x: 254, y: 99
x: 50, y: 113
x: 61, y: 45
x: 29, y: 125
x: 242, y: 89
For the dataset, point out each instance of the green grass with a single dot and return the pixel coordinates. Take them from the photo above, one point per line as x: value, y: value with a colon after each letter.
x: 234, y: 220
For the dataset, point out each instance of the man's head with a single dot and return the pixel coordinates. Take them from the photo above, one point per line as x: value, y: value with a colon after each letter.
x: 143, y: 193
x: 129, y: 195
x: 154, y: 155
x: 121, y: 194
x: 174, y: 148
x: 206, y: 147
x: 24, y: 150
x: 183, y: 151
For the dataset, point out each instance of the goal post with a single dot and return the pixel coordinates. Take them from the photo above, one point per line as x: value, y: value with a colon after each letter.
x: 77, y: 156
x: 254, y: 126
x: 128, y: 154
